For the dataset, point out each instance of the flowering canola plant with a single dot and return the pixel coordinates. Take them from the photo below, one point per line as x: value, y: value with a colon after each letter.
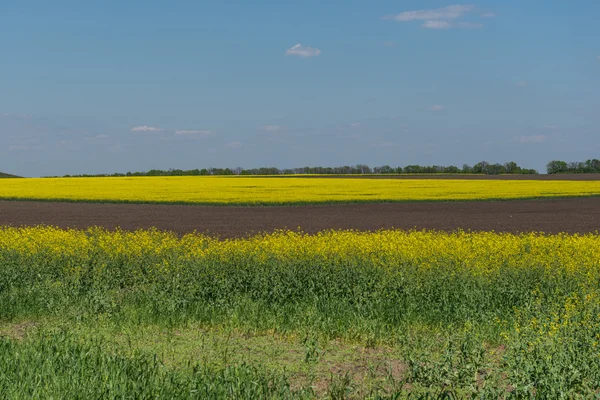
x: 476, y: 252
x: 522, y: 308
x: 224, y: 190
x: 389, y: 259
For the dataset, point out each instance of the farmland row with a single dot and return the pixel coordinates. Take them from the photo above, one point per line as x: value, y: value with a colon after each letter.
x: 218, y: 190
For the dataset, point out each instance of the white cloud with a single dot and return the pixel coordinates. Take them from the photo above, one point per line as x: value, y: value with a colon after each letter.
x: 469, y: 25
x: 302, y: 51
x: 533, y: 139
x: 389, y: 44
x: 193, y: 133
x: 15, y: 115
x: 450, y: 12
x: 440, y: 18
x: 355, y: 124
x: 18, y: 147
x: 439, y: 24
x: 272, y: 128
x: 145, y: 128
x: 437, y: 107
x: 97, y: 137
x: 234, y: 145
x: 551, y: 127
x: 522, y: 84
x: 598, y: 58
x: 436, y: 24
x: 488, y: 14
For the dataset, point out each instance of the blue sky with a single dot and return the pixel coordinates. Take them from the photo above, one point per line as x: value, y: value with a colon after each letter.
x: 114, y: 86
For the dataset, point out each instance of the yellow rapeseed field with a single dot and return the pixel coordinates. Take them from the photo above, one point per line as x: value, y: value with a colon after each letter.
x: 296, y: 190
x: 478, y: 253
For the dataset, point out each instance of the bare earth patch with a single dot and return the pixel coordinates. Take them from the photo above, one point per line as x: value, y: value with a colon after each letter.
x: 574, y: 215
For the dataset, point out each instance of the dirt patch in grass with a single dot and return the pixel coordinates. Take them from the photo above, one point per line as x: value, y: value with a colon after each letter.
x: 18, y: 330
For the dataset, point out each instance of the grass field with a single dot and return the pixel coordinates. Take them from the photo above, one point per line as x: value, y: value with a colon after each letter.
x: 273, y: 191
x: 340, y: 314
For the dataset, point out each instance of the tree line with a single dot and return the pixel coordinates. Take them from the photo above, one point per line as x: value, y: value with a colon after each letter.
x: 576, y: 167
x: 482, y: 167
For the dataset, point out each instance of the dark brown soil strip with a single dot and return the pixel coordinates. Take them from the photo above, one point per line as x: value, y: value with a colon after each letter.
x: 578, y: 215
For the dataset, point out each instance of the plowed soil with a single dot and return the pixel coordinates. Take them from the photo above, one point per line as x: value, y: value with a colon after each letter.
x: 577, y: 215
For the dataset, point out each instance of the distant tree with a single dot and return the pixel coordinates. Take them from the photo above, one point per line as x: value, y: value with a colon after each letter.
x: 531, y: 171
x: 363, y: 169
x: 557, y: 167
x: 385, y: 169
x: 511, y: 167
x: 480, y: 167
x: 494, y: 169
x: 451, y: 170
x: 576, y: 167
x: 412, y: 169
x: 592, y: 166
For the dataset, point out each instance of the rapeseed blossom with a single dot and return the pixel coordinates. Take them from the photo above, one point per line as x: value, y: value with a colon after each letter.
x: 224, y: 190
x: 478, y: 254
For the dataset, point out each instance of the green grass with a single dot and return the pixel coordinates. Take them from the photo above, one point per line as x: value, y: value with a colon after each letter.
x: 59, y: 365
x: 154, y: 361
x: 301, y: 367
x: 99, y: 323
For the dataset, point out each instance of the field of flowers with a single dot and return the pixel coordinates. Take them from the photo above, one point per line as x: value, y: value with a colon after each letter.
x: 480, y: 314
x: 236, y: 190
